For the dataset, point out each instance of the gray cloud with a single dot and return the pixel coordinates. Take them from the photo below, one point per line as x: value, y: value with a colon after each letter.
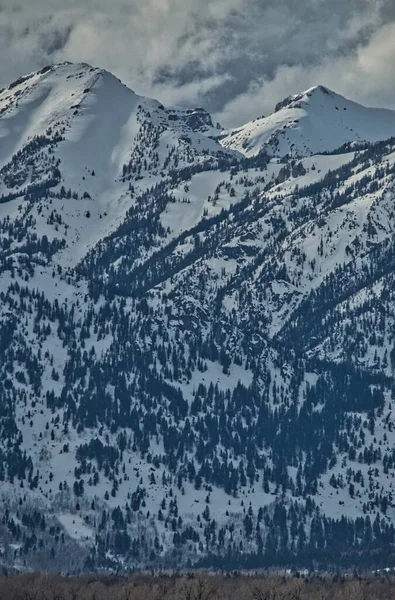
x: 236, y: 57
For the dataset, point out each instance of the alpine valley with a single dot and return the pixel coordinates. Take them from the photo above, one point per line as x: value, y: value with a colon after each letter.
x: 197, y: 331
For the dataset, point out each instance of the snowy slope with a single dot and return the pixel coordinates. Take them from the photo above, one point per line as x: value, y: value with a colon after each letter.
x: 98, y: 130
x: 315, y: 121
x: 196, y: 350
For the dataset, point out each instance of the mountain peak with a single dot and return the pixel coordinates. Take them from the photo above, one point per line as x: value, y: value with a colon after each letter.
x: 314, y: 121
x: 293, y: 100
x: 66, y: 64
x: 319, y: 88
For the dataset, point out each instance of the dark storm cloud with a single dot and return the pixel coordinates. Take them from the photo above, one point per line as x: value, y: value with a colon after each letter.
x: 236, y: 57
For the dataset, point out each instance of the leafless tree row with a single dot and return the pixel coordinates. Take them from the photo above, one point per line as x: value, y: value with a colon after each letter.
x: 34, y: 586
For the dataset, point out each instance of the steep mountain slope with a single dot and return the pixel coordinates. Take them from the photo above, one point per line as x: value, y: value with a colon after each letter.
x: 100, y: 130
x: 317, y: 120
x: 196, y: 346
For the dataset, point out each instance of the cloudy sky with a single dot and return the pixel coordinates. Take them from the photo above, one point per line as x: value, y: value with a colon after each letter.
x: 236, y: 58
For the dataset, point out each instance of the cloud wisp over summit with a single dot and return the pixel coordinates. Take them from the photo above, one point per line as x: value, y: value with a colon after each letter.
x: 235, y: 57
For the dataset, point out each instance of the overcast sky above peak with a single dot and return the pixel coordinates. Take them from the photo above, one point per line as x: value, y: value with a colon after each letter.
x: 236, y: 58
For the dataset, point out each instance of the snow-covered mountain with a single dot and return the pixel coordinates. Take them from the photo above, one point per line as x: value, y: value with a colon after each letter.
x: 317, y: 120
x: 101, y: 131
x: 196, y: 330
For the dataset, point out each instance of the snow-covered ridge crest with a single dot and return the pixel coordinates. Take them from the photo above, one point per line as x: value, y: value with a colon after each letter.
x: 71, y: 97
x: 317, y: 120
